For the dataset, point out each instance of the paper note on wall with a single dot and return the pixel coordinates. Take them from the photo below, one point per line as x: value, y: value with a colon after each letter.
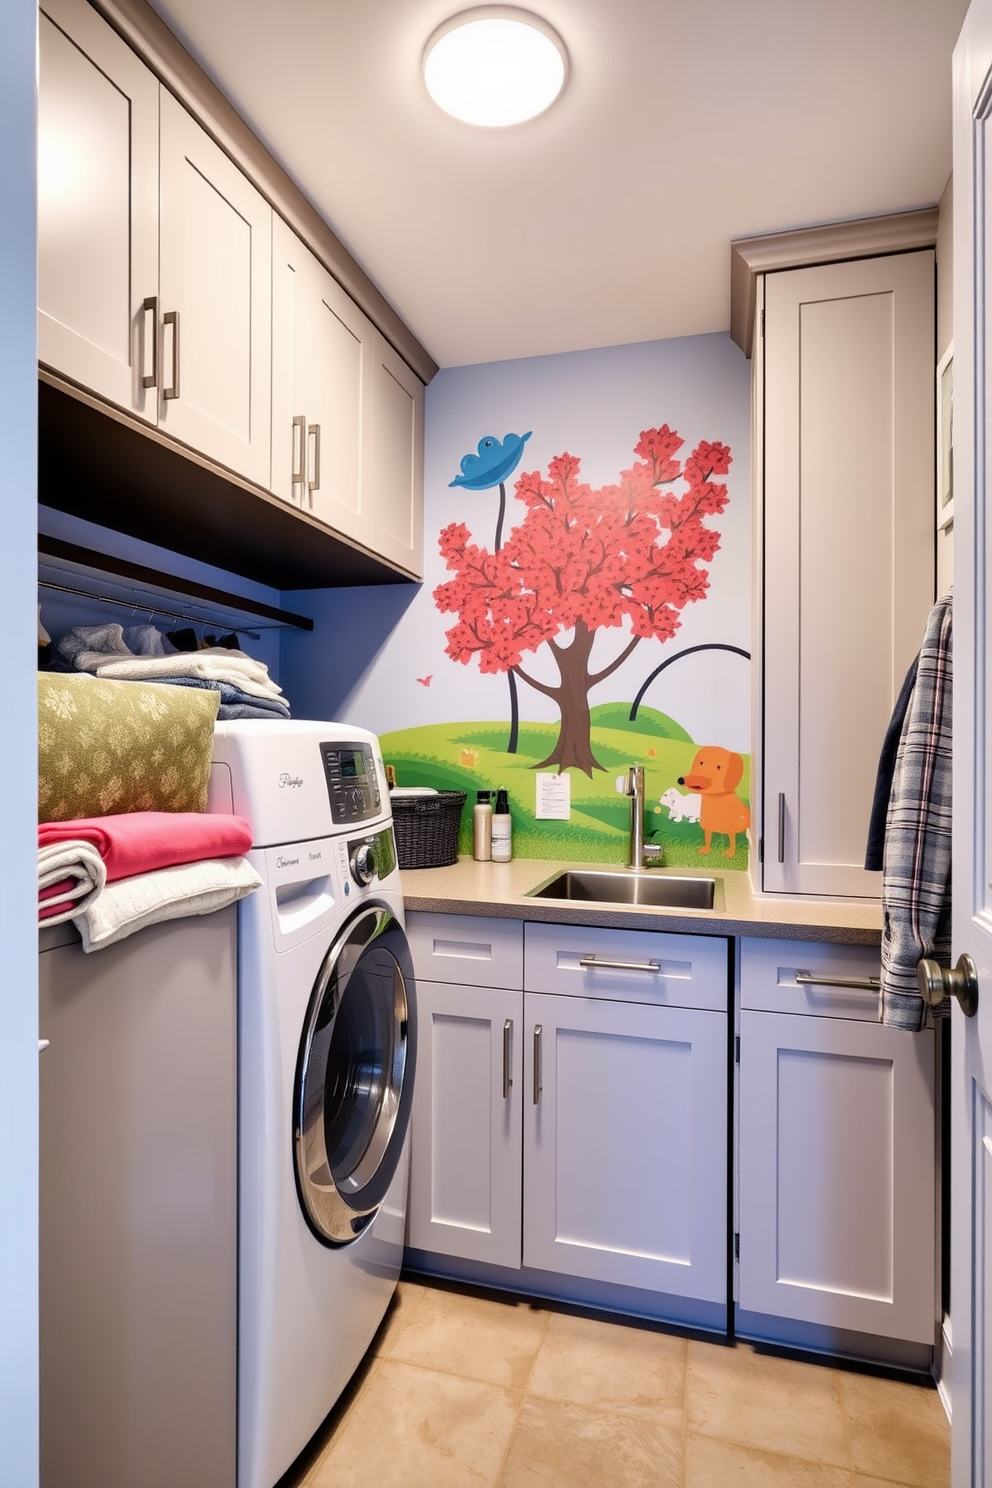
x: 554, y: 797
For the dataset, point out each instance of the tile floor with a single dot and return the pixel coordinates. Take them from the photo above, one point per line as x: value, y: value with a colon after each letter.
x: 461, y: 1390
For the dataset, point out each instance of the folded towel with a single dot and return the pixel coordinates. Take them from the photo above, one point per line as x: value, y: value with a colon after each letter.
x: 142, y: 841
x: 218, y: 664
x: 71, y: 876
x: 102, y: 649
x: 167, y: 894
x: 231, y: 696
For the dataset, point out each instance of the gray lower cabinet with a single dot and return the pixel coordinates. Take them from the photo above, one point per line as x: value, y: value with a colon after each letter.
x: 570, y: 1117
x: 836, y: 1156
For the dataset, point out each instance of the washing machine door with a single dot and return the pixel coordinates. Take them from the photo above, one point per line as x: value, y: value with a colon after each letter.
x: 354, y: 1076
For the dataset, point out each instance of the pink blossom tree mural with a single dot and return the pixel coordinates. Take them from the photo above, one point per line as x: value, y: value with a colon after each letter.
x: 628, y: 556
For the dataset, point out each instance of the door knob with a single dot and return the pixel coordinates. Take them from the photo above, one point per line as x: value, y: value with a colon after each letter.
x: 937, y: 982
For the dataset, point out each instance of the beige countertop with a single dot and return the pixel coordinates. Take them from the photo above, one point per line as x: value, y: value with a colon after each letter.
x: 501, y: 889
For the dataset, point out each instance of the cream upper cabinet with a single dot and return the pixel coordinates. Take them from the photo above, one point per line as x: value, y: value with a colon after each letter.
x: 347, y: 411
x: 216, y: 306
x: 322, y: 391
x: 97, y: 208
x: 398, y: 460
x: 846, y: 455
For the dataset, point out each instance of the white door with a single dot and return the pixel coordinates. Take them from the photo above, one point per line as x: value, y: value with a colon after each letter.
x: 97, y: 208
x: 971, y: 1038
x: 216, y: 300
x: 465, y: 1149
x: 625, y: 1144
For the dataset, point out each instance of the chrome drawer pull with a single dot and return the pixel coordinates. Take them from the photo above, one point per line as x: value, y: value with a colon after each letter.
x: 855, y: 984
x: 590, y: 963
x: 537, y: 1063
x: 150, y: 307
x: 507, y: 1082
x: 781, y: 826
x: 171, y: 318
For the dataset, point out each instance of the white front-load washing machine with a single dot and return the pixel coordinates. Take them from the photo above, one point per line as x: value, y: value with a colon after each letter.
x: 327, y: 1048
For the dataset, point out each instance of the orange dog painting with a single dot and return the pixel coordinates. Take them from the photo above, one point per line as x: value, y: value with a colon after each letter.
x: 715, y: 774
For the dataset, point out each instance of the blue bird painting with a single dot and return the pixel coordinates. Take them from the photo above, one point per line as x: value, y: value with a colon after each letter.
x: 497, y: 458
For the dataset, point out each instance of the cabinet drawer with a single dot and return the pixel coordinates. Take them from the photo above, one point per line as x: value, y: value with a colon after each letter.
x: 635, y: 965
x: 770, y: 970
x: 470, y: 949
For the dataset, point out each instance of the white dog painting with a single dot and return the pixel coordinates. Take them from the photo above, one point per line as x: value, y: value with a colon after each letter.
x: 681, y: 808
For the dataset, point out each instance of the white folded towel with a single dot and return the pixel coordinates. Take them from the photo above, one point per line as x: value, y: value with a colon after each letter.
x: 130, y: 904
x: 215, y: 664
x: 79, y: 862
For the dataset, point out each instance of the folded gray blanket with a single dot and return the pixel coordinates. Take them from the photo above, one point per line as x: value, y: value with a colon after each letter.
x: 233, y: 697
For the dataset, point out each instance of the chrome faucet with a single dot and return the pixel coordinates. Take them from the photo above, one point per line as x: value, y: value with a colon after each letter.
x: 639, y: 854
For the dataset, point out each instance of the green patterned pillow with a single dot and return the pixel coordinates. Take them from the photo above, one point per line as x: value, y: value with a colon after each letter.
x: 106, y: 747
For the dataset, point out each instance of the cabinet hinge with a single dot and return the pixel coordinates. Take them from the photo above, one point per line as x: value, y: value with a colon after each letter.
x: 761, y: 849
x: 762, y: 322
x: 737, y: 1245
x: 737, y: 1049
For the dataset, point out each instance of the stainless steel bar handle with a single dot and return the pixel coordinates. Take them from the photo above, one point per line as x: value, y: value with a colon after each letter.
x: 537, y: 1063
x: 150, y: 307
x: 171, y: 318
x: 507, y: 1082
x: 298, y: 473
x: 781, y: 826
x: 855, y: 984
x: 313, y: 483
x: 590, y: 963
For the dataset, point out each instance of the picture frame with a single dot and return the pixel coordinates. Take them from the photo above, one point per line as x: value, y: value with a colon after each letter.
x: 945, y: 440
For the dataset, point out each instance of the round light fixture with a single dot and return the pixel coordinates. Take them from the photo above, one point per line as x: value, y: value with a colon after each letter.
x: 494, y: 66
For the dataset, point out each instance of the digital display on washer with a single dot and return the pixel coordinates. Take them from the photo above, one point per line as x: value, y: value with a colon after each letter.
x: 352, y: 785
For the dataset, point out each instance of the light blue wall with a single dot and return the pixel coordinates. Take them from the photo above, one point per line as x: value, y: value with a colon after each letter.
x: 18, y: 901
x: 371, y: 646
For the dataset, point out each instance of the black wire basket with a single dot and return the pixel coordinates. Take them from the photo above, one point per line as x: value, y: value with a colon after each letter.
x: 426, y: 828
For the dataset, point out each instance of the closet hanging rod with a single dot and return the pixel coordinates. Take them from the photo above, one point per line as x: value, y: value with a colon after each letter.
x: 139, y: 607
x: 151, y: 579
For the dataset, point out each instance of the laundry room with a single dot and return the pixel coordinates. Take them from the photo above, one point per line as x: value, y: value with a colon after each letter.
x: 490, y: 583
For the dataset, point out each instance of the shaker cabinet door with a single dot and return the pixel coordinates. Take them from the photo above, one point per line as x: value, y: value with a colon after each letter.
x: 847, y: 568
x: 97, y: 208
x: 216, y: 300
x: 465, y: 1182
x: 398, y: 460
x: 625, y: 1144
x: 837, y: 1174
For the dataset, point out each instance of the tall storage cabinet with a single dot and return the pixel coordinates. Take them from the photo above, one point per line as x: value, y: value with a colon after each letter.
x: 844, y: 378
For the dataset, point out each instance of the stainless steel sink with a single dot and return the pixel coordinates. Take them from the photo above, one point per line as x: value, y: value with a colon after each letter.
x: 656, y: 890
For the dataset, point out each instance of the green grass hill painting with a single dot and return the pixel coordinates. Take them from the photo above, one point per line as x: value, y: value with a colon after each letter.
x: 473, y: 756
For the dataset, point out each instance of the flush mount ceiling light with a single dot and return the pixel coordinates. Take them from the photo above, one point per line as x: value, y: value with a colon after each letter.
x: 494, y: 66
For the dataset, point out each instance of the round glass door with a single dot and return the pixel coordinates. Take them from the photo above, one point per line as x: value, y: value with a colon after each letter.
x: 354, y: 1078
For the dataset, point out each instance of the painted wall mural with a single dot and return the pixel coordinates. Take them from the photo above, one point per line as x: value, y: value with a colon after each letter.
x: 580, y: 612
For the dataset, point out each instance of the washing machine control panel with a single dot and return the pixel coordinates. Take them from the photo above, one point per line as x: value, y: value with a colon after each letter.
x: 352, y: 785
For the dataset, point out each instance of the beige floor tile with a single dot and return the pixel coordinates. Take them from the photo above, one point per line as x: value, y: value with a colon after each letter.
x: 413, y: 1427
x: 406, y: 1300
x: 609, y: 1367
x: 475, y: 1337
x: 568, y: 1446
x: 717, y: 1464
x: 898, y: 1432
x: 771, y: 1404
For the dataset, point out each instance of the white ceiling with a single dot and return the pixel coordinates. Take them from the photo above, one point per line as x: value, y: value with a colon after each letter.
x: 684, y: 124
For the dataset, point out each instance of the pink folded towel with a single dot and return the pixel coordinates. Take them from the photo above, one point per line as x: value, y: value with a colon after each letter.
x: 143, y: 841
